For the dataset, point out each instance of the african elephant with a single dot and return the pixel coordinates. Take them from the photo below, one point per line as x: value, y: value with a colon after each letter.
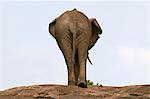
x: 75, y: 35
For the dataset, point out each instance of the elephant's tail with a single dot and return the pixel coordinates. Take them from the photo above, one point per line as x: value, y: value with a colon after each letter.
x: 74, y: 50
x: 73, y: 47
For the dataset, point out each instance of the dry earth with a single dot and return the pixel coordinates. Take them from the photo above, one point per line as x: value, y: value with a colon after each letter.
x: 74, y: 92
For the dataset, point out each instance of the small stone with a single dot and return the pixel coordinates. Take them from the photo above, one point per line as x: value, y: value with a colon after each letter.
x: 49, y: 97
x: 36, y: 96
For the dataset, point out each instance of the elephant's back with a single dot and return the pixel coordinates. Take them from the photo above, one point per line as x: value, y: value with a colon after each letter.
x: 73, y: 15
x: 74, y: 20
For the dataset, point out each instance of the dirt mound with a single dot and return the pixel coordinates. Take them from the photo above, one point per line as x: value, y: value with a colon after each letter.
x: 74, y: 92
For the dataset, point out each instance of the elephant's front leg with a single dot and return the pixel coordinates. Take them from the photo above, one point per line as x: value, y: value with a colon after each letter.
x: 66, y: 49
x: 76, y: 68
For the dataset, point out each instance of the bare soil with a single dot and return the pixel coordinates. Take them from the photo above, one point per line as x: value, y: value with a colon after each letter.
x: 50, y: 91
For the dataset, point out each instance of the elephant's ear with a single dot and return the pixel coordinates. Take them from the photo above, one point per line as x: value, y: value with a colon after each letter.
x: 52, y: 28
x: 96, y: 30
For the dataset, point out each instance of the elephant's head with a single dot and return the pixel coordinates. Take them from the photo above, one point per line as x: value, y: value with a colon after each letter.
x: 96, y: 30
x: 52, y: 27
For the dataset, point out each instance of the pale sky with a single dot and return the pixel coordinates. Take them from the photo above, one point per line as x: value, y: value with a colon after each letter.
x: 29, y: 55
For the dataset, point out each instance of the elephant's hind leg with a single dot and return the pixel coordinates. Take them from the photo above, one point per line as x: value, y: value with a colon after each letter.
x: 66, y: 49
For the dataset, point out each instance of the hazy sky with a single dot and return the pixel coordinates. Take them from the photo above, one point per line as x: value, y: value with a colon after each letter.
x: 29, y: 54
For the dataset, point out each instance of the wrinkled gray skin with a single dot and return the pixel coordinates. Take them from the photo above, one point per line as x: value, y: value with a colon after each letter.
x: 75, y: 35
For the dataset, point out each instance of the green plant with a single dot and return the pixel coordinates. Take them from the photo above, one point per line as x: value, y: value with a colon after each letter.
x: 89, y: 82
x: 98, y: 84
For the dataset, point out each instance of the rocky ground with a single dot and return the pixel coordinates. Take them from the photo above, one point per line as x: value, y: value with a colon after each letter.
x: 74, y: 92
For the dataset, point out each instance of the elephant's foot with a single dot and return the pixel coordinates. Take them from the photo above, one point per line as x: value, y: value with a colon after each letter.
x: 71, y: 83
x: 82, y: 85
